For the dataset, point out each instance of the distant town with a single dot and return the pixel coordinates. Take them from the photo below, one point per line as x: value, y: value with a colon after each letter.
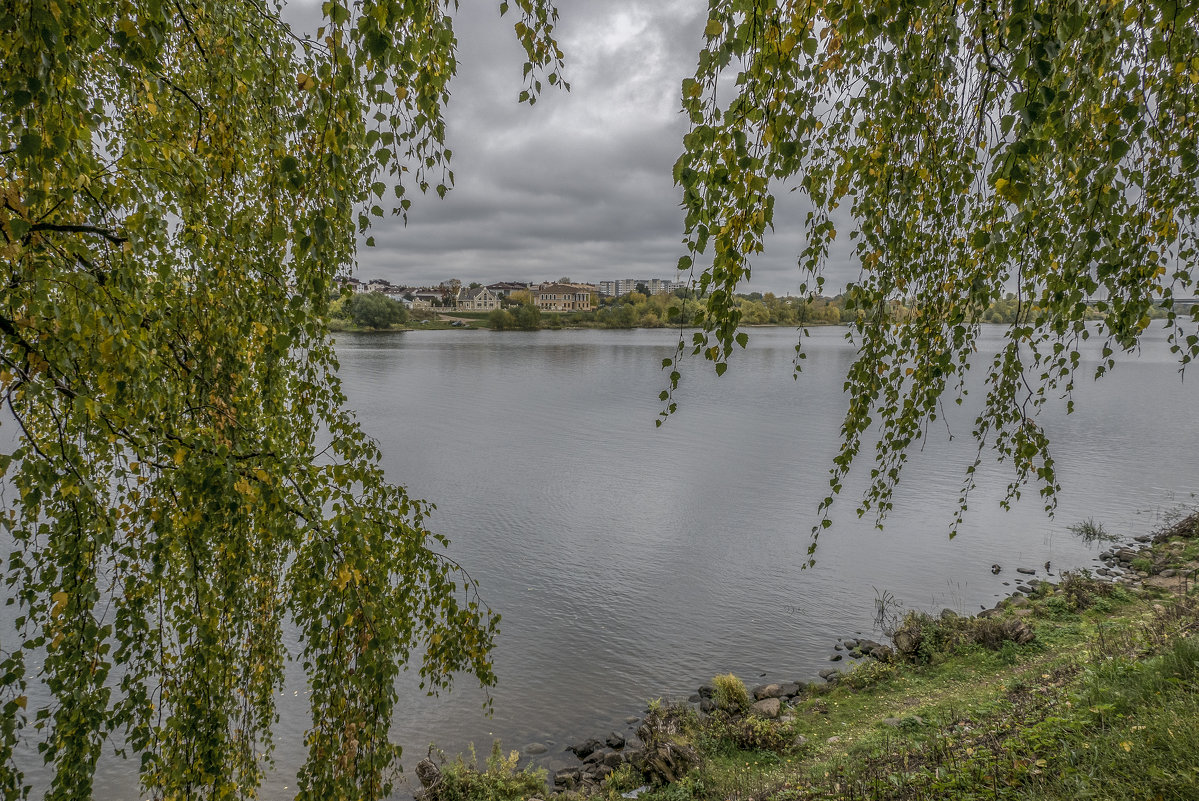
x: 562, y: 295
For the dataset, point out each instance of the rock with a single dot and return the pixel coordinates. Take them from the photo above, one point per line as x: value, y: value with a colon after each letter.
x: 948, y: 614
x: 1028, y: 571
x: 615, y: 740
x: 765, y: 691
x: 707, y: 691
x: 850, y: 644
x: 986, y: 613
x: 834, y: 739
x: 567, y: 778
x: 1018, y: 601
x: 632, y: 719
x: 1022, y: 612
x: 613, y: 759
x: 905, y: 643
x: 892, y: 722
x: 829, y: 674
x: 767, y: 708
x: 1143, y: 538
x: 533, y: 749
x: 799, y: 742
x: 789, y: 690
x: 995, y: 569
x: 835, y: 658
x: 882, y: 653
x: 585, y: 748
x: 1169, y: 572
x: 694, y: 698
x: 707, y: 706
x: 595, y: 757
x: 603, y: 770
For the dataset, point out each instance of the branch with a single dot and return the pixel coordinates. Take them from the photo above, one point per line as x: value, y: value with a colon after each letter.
x: 80, y: 229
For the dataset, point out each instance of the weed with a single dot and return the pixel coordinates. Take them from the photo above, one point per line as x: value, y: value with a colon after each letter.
x: 1090, y: 531
x: 730, y: 694
x: 501, y: 780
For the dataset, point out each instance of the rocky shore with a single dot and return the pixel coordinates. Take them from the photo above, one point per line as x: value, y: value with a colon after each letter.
x: 653, y: 755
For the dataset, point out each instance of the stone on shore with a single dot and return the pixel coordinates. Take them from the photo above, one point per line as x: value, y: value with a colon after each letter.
x: 767, y: 708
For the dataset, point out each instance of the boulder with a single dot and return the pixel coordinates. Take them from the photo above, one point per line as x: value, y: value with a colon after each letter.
x: 708, y: 706
x: 766, y: 691
x: 568, y: 778
x: 615, y: 740
x: 694, y: 698
x: 585, y: 748
x: 767, y: 708
x: 707, y: 691
x: 1028, y: 571
x: 830, y: 674
x: 790, y: 690
x: 533, y: 749
x: 613, y: 759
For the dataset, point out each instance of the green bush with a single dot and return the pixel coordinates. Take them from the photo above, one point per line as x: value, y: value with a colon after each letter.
x: 731, y: 694
x: 759, y: 734
x: 500, y: 781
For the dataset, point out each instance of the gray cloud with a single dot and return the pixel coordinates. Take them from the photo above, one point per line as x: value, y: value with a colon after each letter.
x: 580, y: 184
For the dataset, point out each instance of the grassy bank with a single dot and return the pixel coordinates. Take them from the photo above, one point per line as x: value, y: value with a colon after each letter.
x: 1083, y: 690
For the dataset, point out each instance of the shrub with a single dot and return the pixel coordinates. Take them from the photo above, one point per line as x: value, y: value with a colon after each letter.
x: 921, y: 638
x: 1082, y: 591
x: 730, y: 694
x: 500, y: 781
x: 759, y: 734
x: 500, y: 320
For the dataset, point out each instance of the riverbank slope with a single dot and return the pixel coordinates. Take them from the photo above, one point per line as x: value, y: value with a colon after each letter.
x: 1084, y: 689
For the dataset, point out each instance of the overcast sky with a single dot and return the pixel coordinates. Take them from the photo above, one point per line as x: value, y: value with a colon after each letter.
x: 580, y: 184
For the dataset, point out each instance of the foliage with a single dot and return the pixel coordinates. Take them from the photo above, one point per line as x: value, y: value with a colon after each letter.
x: 1090, y: 531
x: 752, y: 733
x: 971, y: 149
x: 180, y: 184
x: 501, y: 780
x: 526, y: 317
x: 922, y: 638
x: 375, y: 310
x: 730, y: 692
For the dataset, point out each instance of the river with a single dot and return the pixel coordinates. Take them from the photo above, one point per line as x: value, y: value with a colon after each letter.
x: 631, y: 562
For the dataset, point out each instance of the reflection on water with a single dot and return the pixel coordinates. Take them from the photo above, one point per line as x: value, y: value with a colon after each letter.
x: 631, y: 562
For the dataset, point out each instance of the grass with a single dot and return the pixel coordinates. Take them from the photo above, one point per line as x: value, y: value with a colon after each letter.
x: 1102, y: 703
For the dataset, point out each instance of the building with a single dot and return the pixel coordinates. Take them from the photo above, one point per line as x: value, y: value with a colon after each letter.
x: 480, y: 298
x: 506, y: 288
x: 623, y: 286
x: 350, y: 282
x: 555, y: 297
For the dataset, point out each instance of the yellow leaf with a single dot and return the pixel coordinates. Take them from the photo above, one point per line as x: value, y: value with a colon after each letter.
x: 21, y: 701
x: 179, y: 454
x: 304, y: 82
x: 1127, y: 746
x: 60, y: 599
x: 713, y: 29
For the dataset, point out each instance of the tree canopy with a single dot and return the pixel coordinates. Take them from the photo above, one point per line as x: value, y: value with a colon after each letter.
x: 181, y: 182
x: 972, y: 149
